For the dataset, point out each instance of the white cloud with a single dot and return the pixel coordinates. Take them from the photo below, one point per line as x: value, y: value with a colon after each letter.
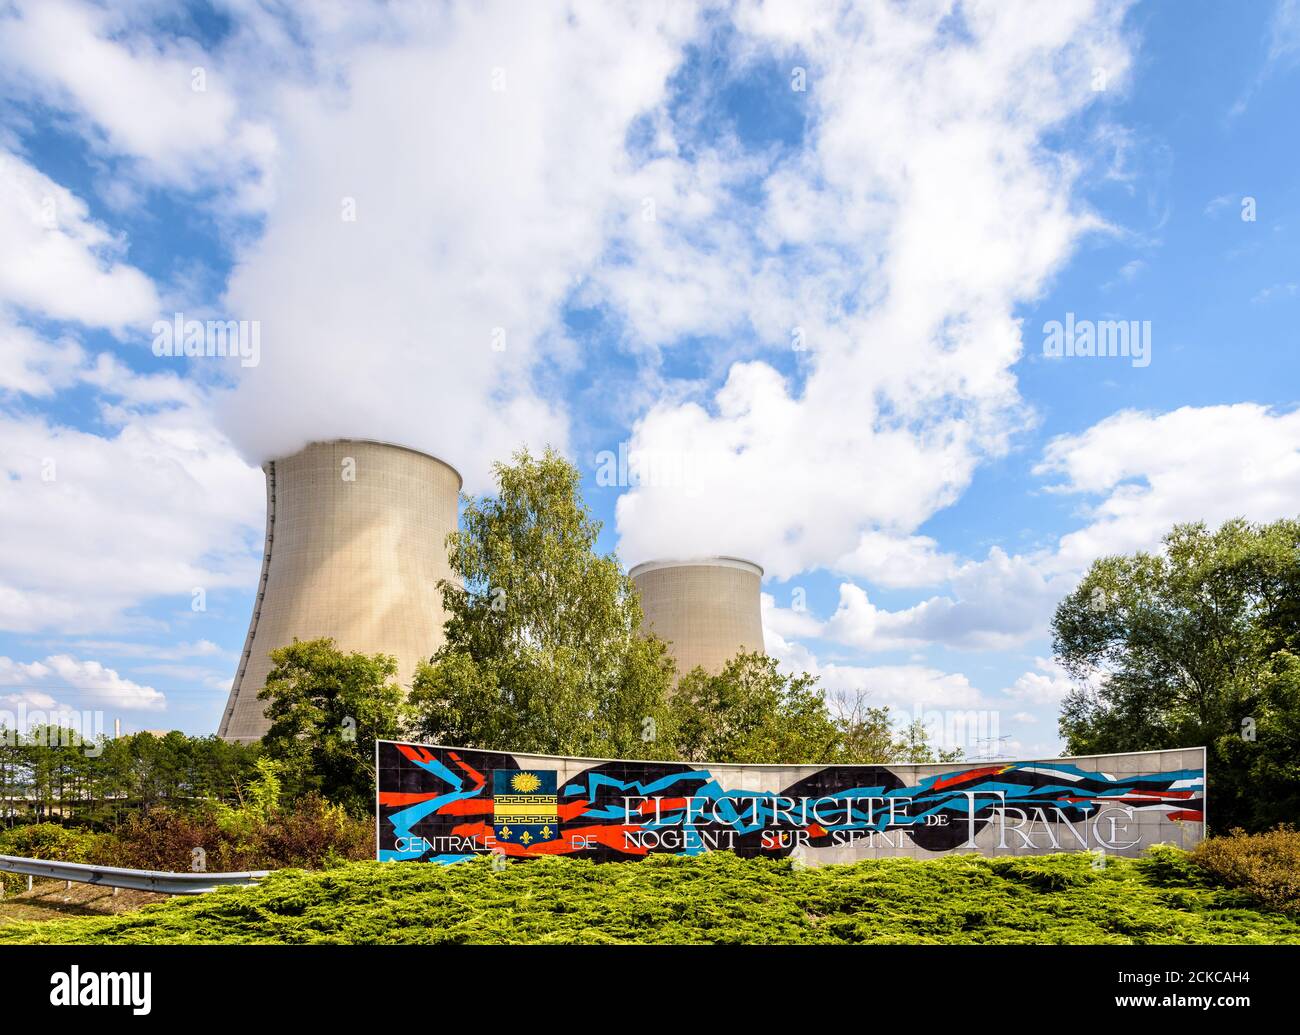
x: 155, y: 652
x: 15, y: 673
x: 1047, y: 684
x: 104, y: 684
x: 61, y: 671
x: 909, y: 689
x: 904, y: 688
x: 96, y: 525
x: 169, y: 106
x: 1284, y: 32
x: 30, y: 365
x: 920, y: 139
x: 57, y: 261
x: 29, y: 699
x: 1152, y: 471
x: 996, y: 603
x: 782, y: 622
x: 897, y: 561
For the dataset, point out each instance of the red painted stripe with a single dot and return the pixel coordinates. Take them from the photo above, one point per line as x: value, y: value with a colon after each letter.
x: 478, y: 777
x: 401, y: 798
x: 969, y: 774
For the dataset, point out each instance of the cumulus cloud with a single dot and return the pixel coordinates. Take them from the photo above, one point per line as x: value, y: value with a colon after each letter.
x: 782, y: 622
x: 163, y: 103
x: 98, y: 524
x: 898, y: 561
x: 63, y: 672
x: 58, y: 262
x: 1207, y: 463
x: 34, y: 366
x: 998, y: 602
x: 103, y: 684
x: 1046, y: 684
x: 1138, y: 475
x: 896, y: 245
x: 165, y: 652
x: 154, y: 500
x: 909, y: 689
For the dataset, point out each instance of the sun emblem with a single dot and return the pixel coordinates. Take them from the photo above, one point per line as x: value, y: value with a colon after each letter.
x: 525, y: 783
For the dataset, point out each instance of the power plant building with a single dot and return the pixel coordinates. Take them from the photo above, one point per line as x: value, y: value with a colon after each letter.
x: 355, y: 546
x: 708, y: 610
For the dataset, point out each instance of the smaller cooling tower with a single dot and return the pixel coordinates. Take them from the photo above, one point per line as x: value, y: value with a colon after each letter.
x: 708, y: 610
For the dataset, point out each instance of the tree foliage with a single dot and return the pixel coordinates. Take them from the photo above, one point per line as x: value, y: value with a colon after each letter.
x: 1194, y: 645
x: 541, y: 651
x: 327, y: 708
x: 752, y: 712
x: 52, y: 773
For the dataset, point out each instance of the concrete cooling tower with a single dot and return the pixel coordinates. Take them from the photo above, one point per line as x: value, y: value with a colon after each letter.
x: 707, y: 610
x: 355, y: 545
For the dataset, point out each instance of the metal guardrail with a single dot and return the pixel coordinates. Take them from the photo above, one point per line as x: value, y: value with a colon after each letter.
x: 160, y: 881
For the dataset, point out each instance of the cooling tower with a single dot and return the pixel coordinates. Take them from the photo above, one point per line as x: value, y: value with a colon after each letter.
x: 355, y: 545
x: 707, y: 610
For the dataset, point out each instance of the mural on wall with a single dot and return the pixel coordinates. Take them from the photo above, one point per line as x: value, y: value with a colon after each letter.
x: 442, y: 804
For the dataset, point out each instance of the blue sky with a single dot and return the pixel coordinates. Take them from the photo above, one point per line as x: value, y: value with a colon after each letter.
x: 654, y: 211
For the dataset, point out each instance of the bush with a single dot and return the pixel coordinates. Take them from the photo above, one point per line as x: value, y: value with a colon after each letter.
x: 177, y: 840
x: 715, y: 898
x: 1267, y: 865
x: 311, y: 834
x: 51, y: 841
x: 316, y: 834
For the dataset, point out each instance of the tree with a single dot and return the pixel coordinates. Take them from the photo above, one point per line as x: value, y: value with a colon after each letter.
x: 541, y: 651
x: 327, y: 708
x: 1194, y: 645
x: 752, y: 712
x: 867, y: 731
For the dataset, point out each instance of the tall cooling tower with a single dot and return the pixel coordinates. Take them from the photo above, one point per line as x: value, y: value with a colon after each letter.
x: 355, y: 545
x: 707, y: 610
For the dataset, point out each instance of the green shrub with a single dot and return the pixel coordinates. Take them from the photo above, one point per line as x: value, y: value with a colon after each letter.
x: 50, y: 841
x: 1267, y: 865
x: 716, y: 898
x: 1057, y: 873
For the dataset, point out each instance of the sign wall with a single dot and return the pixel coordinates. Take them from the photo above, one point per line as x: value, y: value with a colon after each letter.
x: 446, y: 804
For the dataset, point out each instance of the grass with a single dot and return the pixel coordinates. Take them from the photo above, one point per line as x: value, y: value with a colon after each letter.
x: 716, y: 899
